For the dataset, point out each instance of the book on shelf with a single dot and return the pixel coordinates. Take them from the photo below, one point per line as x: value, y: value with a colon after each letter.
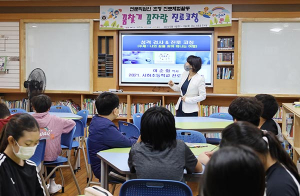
x: 225, y: 58
x: 290, y: 125
x: 171, y: 108
x: 143, y: 107
x: 23, y: 104
x: 225, y: 43
x: 71, y: 104
x: 224, y: 73
x: 89, y: 104
x: 288, y: 148
x: 278, y: 116
x: 206, y: 110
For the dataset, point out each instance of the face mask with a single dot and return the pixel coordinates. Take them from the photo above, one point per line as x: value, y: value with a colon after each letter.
x: 25, y: 152
x: 187, y: 67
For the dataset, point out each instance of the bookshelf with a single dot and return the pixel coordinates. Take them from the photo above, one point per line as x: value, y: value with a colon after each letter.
x: 294, y: 141
x: 225, y: 63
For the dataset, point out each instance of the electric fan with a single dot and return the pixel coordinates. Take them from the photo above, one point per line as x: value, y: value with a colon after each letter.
x: 35, y: 84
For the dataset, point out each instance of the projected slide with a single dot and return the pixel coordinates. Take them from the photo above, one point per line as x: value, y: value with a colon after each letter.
x: 156, y: 59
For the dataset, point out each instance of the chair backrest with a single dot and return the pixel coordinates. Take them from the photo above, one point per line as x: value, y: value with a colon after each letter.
x: 190, y: 136
x: 221, y: 116
x: 84, y: 114
x: 137, y: 117
x: 17, y: 110
x: 129, y: 129
x: 60, y: 108
x: 67, y: 138
x: 149, y: 187
x: 39, y: 153
x: 87, y: 150
x: 79, y: 129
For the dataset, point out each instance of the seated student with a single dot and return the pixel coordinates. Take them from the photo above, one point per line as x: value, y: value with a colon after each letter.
x: 241, y: 109
x: 246, y: 109
x: 234, y: 171
x: 270, y: 107
x: 282, y: 176
x: 159, y: 155
x: 103, y: 133
x: 4, y: 115
x: 18, y: 141
x: 56, y: 126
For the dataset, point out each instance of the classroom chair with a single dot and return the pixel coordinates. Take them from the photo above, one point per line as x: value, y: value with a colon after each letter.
x: 17, y: 110
x: 137, y: 117
x: 66, y: 139
x: 38, y: 159
x: 190, y: 136
x: 226, y: 116
x: 150, y: 187
x: 60, y: 108
x: 79, y: 145
x: 129, y: 129
x: 90, y: 176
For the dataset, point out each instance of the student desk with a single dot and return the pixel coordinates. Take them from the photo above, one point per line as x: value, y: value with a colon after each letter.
x: 64, y: 115
x: 117, y: 158
x: 202, y: 124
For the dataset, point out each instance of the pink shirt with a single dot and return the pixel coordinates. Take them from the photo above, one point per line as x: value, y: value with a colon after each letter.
x: 55, y: 126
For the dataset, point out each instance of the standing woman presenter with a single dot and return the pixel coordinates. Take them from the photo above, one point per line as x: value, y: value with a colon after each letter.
x: 192, y: 87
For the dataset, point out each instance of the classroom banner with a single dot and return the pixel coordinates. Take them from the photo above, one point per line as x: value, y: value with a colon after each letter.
x: 165, y: 16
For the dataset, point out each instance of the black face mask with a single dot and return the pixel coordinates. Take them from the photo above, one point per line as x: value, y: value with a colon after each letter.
x: 187, y: 67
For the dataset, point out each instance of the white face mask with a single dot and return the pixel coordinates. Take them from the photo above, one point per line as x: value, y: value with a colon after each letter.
x: 25, y: 152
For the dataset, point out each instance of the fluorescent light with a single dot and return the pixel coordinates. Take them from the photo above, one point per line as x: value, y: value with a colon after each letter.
x: 276, y: 30
x: 33, y: 26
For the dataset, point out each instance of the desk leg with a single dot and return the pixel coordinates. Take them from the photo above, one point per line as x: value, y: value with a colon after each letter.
x: 104, y: 175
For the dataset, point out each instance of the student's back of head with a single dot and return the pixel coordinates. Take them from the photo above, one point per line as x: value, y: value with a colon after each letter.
x: 106, y: 103
x: 246, y: 109
x: 158, y: 128
x: 4, y: 111
x: 263, y: 142
x: 270, y: 105
x: 41, y: 103
x: 234, y: 171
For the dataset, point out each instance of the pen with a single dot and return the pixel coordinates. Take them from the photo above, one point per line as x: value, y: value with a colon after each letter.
x: 214, y: 148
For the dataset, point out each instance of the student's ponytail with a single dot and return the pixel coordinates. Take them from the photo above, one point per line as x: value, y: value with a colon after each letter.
x: 278, y: 153
x: 15, y: 128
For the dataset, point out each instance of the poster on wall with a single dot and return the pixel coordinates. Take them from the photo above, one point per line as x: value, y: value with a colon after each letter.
x: 165, y: 16
x: 3, y: 62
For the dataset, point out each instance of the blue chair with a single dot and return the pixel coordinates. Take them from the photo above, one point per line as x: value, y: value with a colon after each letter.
x: 137, y: 117
x: 129, y: 129
x: 60, y: 108
x: 66, y: 139
x: 190, y: 136
x: 84, y: 114
x: 38, y: 158
x: 90, y: 176
x: 151, y: 187
x: 79, y: 145
x: 17, y: 110
x: 225, y: 116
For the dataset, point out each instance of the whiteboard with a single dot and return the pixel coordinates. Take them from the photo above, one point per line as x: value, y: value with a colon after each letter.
x: 270, y: 58
x: 62, y: 50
